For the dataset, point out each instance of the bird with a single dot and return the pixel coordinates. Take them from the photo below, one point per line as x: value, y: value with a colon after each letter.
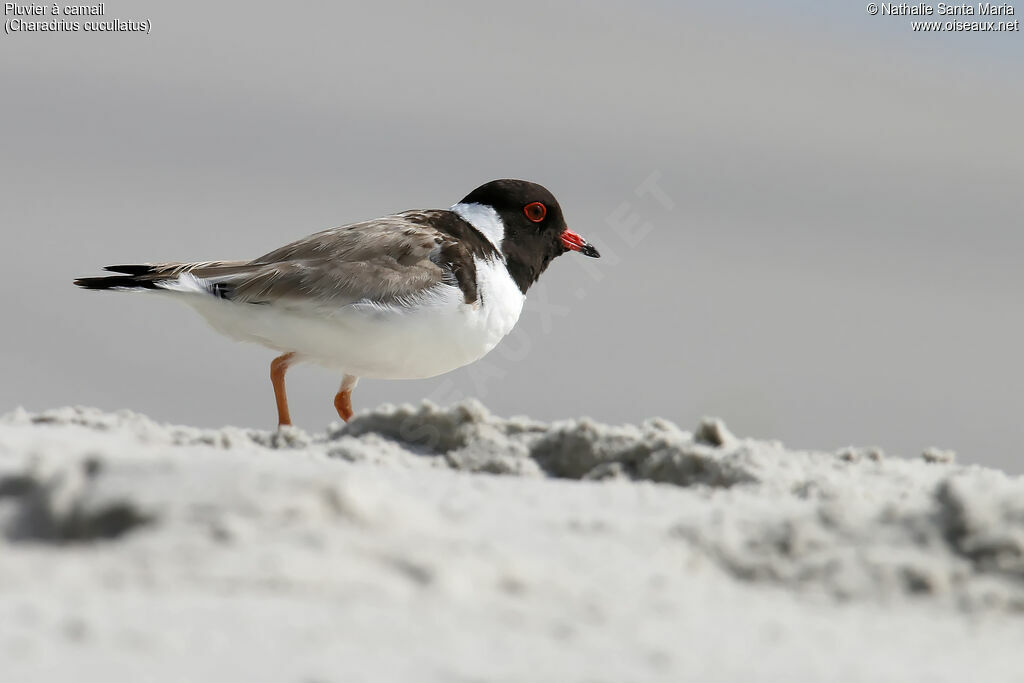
x: 408, y: 295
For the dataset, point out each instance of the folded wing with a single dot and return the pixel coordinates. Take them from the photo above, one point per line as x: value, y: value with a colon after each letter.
x: 390, y: 261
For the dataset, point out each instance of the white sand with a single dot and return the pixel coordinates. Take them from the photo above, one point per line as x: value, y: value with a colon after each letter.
x: 431, y: 545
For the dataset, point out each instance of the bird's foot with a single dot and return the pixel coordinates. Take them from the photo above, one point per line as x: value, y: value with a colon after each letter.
x: 343, y: 404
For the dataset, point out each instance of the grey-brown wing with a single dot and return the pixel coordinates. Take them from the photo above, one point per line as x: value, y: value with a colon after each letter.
x: 387, y: 260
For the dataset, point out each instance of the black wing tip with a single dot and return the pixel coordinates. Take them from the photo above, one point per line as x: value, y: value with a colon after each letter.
x: 133, y: 277
x: 131, y: 269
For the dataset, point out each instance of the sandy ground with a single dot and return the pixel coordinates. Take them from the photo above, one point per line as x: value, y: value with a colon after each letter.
x: 421, y: 544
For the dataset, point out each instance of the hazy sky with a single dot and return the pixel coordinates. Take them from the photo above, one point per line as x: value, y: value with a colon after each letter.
x: 833, y: 257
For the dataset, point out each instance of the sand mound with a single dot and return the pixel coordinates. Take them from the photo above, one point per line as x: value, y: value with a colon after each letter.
x: 387, y: 547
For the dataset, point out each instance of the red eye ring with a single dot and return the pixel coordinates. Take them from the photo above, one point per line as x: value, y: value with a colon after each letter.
x: 535, y: 211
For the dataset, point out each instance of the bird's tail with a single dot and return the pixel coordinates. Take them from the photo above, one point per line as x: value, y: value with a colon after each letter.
x: 159, y: 275
x: 135, y: 276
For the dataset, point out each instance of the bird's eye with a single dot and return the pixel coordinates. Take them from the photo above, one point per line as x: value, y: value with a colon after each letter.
x: 535, y: 211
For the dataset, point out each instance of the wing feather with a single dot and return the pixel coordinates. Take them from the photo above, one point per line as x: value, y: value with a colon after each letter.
x: 392, y: 260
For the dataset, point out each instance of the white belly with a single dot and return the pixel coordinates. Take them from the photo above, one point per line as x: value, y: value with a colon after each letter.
x: 391, y: 342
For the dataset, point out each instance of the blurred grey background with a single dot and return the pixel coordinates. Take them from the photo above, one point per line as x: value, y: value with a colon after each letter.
x: 834, y: 260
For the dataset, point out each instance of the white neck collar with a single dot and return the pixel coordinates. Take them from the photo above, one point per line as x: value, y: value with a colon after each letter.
x: 485, y: 219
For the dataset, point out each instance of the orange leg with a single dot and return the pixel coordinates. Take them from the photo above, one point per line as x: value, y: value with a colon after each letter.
x: 278, y: 367
x: 343, y: 399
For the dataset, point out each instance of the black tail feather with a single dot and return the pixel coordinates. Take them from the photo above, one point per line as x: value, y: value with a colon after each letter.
x: 116, y: 282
